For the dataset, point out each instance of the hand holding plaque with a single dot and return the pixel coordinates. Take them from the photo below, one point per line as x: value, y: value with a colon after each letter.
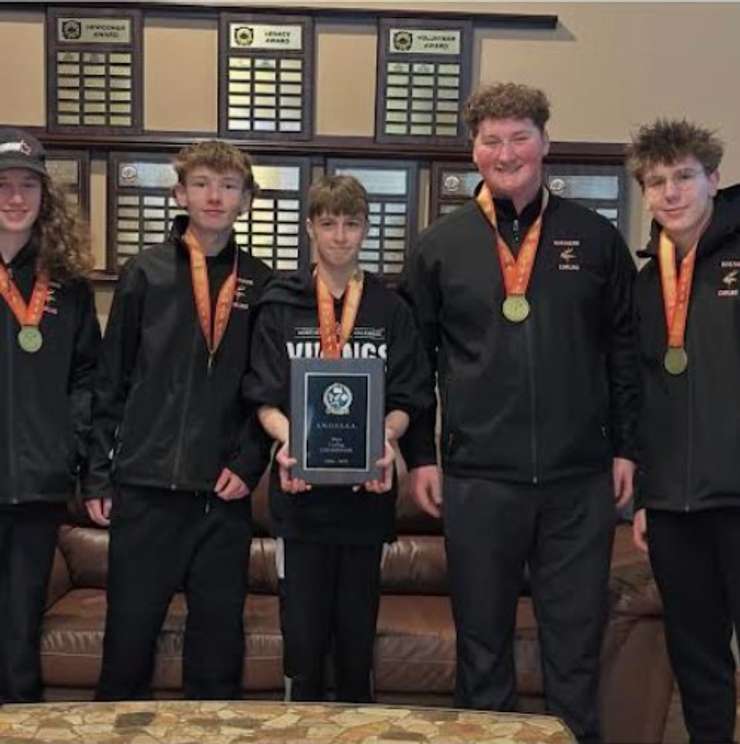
x: 285, y: 462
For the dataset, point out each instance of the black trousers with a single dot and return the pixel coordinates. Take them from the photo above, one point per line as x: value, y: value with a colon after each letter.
x: 696, y: 562
x: 329, y: 598
x: 160, y: 542
x: 564, y: 533
x: 28, y: 536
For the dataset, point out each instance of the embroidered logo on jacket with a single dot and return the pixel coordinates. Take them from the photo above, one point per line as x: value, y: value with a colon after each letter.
x: 568, y: 256
x: 51, y: 299
x: 243, y: 285
x: 730, y: 280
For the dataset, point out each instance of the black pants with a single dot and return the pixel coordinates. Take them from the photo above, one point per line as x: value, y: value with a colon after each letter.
x: 696, y: 562
x: 28, y: 536
x: 329, y: 598
x: 160, y: 542
x: 564, y: 532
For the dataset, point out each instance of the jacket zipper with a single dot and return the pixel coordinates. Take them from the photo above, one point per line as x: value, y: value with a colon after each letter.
x: 10, y: 409
x: 530, y: 363
x: 186, y: 405
x: 533, y: 392
x: 689, y: 440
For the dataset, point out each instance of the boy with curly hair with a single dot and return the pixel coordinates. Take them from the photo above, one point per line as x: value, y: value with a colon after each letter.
x: 50, y: 342
x: 688, y: 494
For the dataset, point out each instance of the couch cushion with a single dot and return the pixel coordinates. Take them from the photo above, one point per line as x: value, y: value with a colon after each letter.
x: 415, y: 648
x: 85, y: 549
x: 72, y: 642
x: 415, y: 564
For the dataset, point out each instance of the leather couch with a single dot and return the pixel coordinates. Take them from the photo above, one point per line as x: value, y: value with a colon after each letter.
x: 415, y: 647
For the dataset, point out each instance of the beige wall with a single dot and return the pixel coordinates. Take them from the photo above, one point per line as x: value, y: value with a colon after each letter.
x: 607, y: 67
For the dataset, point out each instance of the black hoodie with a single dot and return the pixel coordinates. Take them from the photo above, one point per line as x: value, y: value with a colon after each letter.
x: 287, y: 327
x: 46, y: 396
x: 689, y: 432
x: 160, y: 418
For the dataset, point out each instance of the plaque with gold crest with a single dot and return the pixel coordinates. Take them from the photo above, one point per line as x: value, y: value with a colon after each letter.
x: 452, y: 184
x: 423, y: 80
x: 94, y: 70
x: 266, y: 76
x: 392, y: 188
x: 599, y: 187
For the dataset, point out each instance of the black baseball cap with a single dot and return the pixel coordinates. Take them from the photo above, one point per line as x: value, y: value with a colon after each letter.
x: 19, y: 149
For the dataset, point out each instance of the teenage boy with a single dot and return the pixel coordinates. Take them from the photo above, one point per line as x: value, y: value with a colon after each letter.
x: 524, y: 303
x: 331, y: 538
x: 173, y: 448
x: 50, y: 339
x: 688, y: 503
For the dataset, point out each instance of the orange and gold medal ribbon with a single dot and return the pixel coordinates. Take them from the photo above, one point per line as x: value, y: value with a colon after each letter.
x: 28, y: 316
x: 213, y: 330
x: 676, y: 296
x: 334, y: 336
x: 516, y: 272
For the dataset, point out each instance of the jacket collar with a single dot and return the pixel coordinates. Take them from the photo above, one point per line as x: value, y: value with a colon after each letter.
x: 180, y: 226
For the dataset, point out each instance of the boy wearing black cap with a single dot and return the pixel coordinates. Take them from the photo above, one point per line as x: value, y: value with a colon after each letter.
x: 50, y: 337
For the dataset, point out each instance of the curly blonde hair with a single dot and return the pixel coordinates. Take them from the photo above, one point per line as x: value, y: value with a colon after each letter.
x: 64, y: 239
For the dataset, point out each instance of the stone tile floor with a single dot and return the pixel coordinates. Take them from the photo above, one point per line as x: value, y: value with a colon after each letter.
x: 187, y: 722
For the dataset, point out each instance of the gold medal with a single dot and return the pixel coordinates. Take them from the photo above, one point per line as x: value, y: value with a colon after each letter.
x: 30, y: 339
x: 516, y: 308
x: 676, y: 360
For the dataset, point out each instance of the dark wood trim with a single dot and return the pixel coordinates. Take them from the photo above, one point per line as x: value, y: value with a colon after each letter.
x: 213, y: 7
x: 103, y: 277
x: 321, y: 147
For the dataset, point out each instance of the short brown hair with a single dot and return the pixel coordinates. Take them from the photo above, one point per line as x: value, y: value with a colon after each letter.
x: 506, y: 101
x: 666, y: 141
x: 220, y: 157
x: 337, y: 195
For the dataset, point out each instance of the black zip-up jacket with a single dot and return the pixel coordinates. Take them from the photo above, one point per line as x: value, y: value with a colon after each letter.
x: 47, y: 395
x: 689, y: 432
x: 287, y: 327
x: 161, y: 419
x: 552, y: 397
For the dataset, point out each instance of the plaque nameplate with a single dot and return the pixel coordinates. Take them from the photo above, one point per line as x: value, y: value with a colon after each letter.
x: 379, y: 180
x: 94, y: 30
x: 265, y: 36
x: 424, y: 41
x: 147, y: 175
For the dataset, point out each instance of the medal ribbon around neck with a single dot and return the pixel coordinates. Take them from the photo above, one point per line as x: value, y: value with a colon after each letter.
x: 213, y: 329
x: 516, y: 272
x: 334, y: 338
x: 676, y: 296
x: 28, y: 316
